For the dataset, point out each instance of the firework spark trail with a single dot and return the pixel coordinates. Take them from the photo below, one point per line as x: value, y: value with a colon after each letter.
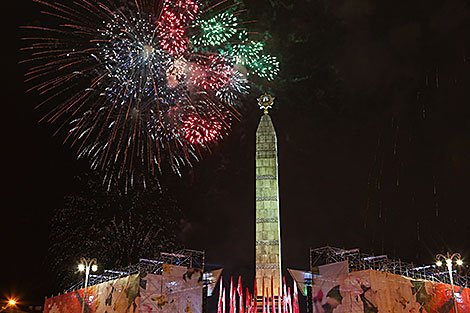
x: 142, y: 84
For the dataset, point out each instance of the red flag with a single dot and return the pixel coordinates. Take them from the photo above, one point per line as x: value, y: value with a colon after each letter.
x: 255, y: 296
x: 274, y: 303
x: 296, y: 299
x: 279, y: 300
x: 247, y: 305
x: 223, y: 301
x: 272, y: 295
x: 231, y: 295
x: 289, y: 300
x: 234, y: 299
x: 240, y: 294
x: 219, y: 304
x: 264, y: 303
x: 284, y: 296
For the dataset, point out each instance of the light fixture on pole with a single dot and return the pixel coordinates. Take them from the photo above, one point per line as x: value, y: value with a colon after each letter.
x: 449, y: 259
x: 86, y: 265
x: 12, y: 302
x: 10, y: 305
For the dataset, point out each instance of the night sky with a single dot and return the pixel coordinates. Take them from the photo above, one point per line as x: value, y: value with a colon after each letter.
x: 372, y: 117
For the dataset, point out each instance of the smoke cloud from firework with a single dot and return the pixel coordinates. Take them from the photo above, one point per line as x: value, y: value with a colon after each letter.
x: 143, y: 86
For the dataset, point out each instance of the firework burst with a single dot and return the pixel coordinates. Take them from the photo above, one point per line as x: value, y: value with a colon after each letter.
x: 138, y: 85
x: 202, y: 131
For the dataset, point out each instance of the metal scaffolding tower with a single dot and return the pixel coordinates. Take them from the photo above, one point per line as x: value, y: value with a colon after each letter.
x: 358, y: 261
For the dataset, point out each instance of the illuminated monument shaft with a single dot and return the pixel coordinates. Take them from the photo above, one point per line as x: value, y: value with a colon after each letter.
x: 268, y: 231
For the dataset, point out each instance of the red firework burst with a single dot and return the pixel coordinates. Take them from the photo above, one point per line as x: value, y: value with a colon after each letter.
x: 200, y: 131
x: 184, y: 9
x: 172, y: 32
x: 216, y: 73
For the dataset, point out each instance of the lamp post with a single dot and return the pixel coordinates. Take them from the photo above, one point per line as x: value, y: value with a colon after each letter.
x: 86, y: 265
x: 449, y: 259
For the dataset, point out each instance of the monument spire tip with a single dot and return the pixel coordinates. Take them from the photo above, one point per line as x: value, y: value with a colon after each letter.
x: 265, y: 102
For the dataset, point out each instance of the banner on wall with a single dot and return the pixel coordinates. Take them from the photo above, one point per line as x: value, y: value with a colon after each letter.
x: 337, y: 291
x: 115, y: 296
x: 178, y: 289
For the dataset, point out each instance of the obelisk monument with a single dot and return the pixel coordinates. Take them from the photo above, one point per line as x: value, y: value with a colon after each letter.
x: 268, y: 230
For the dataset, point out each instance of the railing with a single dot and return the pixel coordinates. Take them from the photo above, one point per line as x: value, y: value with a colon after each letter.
x: 187, y: 258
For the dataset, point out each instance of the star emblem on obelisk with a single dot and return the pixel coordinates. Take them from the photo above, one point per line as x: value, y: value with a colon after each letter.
x: 265, y: 102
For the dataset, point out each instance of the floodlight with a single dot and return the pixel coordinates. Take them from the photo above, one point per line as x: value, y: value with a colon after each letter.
x: 81, y: 267
x: 439, y: 263
x: 459, y: 262
x: 94, y: 267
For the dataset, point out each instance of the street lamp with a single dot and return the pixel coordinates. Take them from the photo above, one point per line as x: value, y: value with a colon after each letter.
x: 86, y: 265
x: 11, y: 304
x: 448, y: 258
